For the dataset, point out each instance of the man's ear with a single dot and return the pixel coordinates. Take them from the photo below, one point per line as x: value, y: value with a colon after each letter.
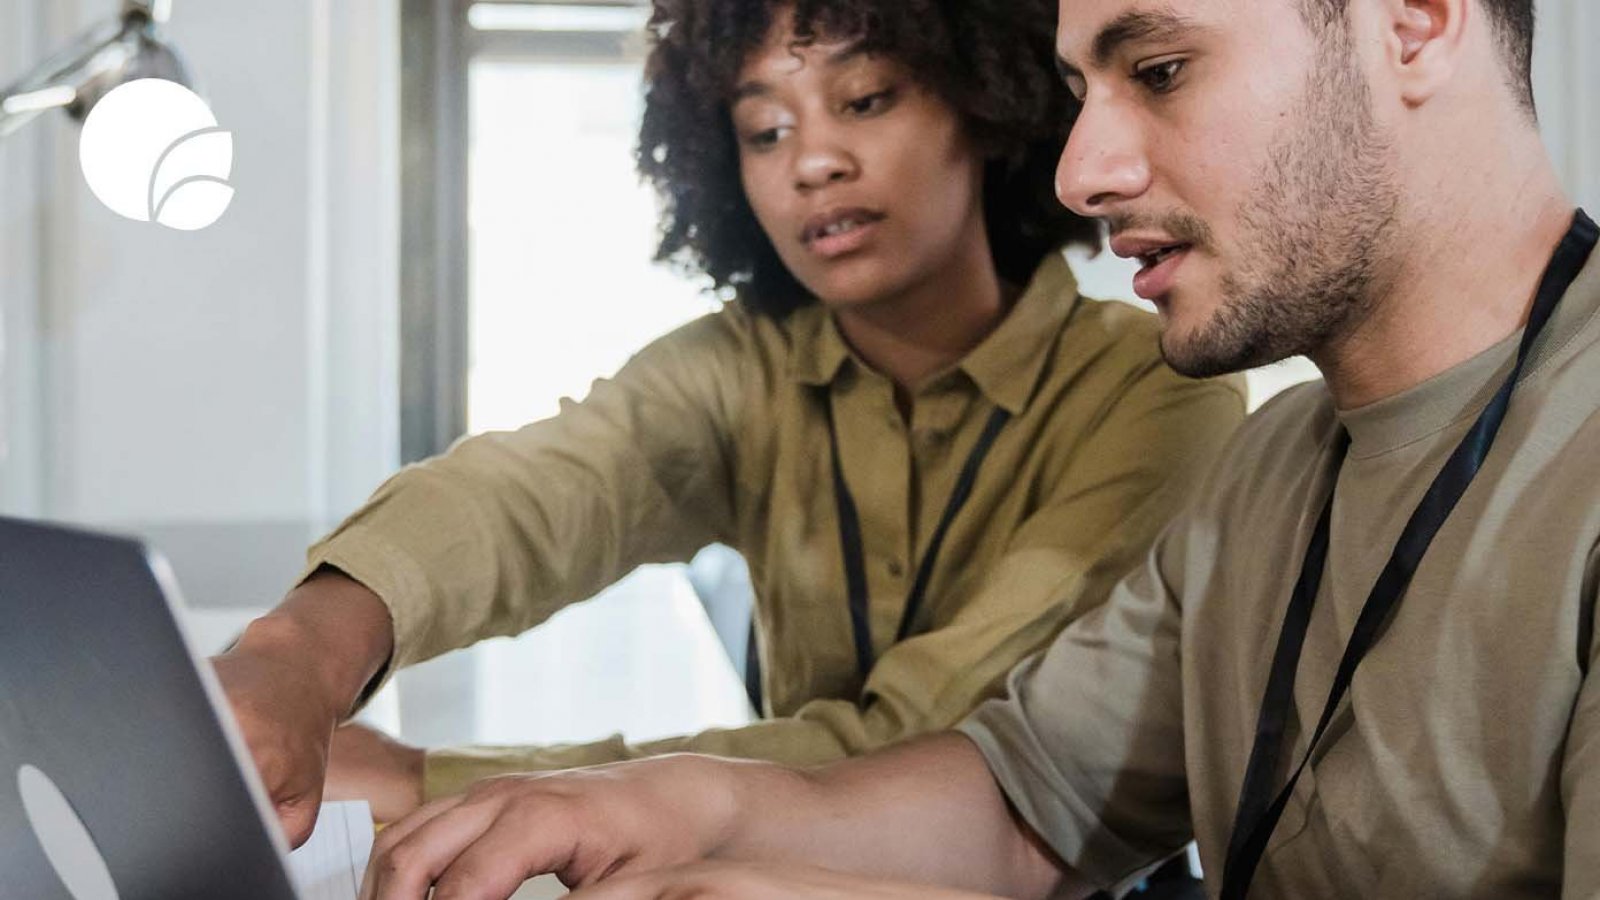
x: 1424, y: 42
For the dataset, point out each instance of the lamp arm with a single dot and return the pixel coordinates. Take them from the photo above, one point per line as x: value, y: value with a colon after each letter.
x: 54, y: 82
x: 68, y: 79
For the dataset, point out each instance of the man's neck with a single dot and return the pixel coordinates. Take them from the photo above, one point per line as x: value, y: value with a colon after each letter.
x: 1463, y: 285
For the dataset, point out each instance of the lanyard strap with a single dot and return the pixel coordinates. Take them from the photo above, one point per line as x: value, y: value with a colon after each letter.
x: 1257, y: 815
x: 855, y: 567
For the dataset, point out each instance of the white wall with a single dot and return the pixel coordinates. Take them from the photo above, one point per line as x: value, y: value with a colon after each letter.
x: 21, y: 206
x: 225, y: 392
x: 1566, y: 82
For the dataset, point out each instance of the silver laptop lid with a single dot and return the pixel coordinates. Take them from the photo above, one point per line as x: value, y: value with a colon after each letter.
x: 104, y: 703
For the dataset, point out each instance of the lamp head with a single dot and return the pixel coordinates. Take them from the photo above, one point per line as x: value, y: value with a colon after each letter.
x: 136, y: 52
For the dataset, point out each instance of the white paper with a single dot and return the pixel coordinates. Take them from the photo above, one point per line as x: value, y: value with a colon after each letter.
x: 329, y: 866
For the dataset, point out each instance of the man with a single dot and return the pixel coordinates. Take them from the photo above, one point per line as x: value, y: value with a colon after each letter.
x: 1361, y: 181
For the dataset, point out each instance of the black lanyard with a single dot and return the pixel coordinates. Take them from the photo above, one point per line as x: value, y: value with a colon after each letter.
x: 855, y: 567
x: 1257, y: 815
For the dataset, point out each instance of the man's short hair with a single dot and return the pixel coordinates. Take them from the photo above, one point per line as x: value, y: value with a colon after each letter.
x: 1513, y: 26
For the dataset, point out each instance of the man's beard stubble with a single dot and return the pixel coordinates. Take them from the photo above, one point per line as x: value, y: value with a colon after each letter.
x: 1312, y: 236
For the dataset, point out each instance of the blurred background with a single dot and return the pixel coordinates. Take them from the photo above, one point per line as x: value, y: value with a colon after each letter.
x: 437, y: 230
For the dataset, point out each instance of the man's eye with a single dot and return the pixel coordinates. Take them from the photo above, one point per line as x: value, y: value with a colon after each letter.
x: 870, y: 103
x: 1160, y: 77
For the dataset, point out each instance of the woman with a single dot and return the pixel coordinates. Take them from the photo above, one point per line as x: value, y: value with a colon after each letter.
x: 931, y: 450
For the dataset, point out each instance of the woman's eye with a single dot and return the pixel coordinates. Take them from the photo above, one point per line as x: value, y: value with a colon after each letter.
x: 764, y: 138
x: 1161, y: 77
x: 870, y: 103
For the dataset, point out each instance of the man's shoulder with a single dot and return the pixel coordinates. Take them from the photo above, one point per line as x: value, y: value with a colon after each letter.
x: 1292, y: 411
x: 1277, y: 441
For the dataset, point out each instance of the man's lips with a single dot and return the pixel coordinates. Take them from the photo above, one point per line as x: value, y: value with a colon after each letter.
x: 1159, y: 256
x: 839, y: 231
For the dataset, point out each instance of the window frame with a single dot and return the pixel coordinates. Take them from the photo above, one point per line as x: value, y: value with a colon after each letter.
x: 438, y: 48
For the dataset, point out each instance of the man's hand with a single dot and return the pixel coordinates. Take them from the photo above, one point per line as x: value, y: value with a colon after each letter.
x: 293, y: 675
x: 583, y: 825
x: 747, y: 881
x: 367, y: 764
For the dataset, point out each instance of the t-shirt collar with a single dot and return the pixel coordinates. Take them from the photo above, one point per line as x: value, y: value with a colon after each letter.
x: 1463, y: 390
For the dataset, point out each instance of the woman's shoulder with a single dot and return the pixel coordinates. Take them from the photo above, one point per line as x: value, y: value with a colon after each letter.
x: 746, y: 347
x: 1118, y: 322
x: 1090, y: 326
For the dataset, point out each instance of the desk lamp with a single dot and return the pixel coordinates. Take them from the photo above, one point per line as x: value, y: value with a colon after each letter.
x: 124, y: 49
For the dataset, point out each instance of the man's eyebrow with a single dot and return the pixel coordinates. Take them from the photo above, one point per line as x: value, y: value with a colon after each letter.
x: 1132, y: 26
x: 757, y: 88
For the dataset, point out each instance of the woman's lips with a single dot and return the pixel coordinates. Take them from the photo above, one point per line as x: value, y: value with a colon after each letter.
x: 831, y: 246
x: 840, y: 232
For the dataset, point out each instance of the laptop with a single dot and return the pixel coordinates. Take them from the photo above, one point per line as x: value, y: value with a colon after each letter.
x: 122, y: 773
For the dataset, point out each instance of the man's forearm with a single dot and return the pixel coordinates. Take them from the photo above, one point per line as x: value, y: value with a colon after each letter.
x: 339, y: 628
x: 926, y: 811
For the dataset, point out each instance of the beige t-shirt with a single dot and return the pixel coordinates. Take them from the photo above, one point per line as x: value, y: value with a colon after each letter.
x: 1465, y: 760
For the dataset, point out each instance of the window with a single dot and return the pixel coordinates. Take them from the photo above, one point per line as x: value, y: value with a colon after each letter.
x: 560, y: 291
x: 561, y: 236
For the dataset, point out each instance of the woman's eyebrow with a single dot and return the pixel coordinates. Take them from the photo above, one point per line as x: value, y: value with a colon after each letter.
x: 755, y: 87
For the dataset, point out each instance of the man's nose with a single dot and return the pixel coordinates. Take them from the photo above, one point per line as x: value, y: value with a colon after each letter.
x: 1102, y: 164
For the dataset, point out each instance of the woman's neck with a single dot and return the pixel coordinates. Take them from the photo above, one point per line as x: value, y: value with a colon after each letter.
x: 924, y: 330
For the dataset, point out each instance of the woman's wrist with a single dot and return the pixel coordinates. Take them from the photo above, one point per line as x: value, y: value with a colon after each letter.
x: 333, y: 629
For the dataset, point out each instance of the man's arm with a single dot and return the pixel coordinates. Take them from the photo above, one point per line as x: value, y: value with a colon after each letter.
x: 763, y: 881
x: 1105, y: 699
x: 926, y: 811
x: 1580, y: 768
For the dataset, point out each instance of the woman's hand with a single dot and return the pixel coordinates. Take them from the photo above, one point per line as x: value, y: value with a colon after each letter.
x: 583, y: 825
x: 366, y: 764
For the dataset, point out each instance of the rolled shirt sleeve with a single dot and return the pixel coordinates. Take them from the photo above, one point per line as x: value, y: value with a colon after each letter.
x: 505, y: 529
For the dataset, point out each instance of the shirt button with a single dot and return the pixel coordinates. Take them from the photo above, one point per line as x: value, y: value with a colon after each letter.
x: 895, y: 569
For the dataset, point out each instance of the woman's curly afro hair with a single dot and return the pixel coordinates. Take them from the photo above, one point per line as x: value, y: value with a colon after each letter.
x: 993, y: 61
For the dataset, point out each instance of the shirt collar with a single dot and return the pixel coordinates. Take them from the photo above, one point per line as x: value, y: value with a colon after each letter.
x: 819, y: 350
x: 1006, y: 366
